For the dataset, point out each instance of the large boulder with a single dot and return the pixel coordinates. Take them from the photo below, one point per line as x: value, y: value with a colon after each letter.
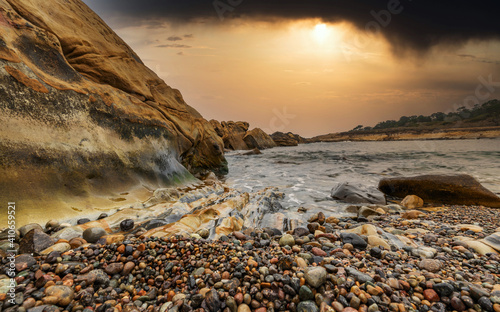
x: 83, y: 119
x: 257, y: 138
x: 287, y: 139
x: 445, y: 189
x: 357, y: 194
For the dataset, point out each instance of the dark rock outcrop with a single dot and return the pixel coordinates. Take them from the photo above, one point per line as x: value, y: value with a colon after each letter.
x: 236, y: 136
x: 357, y: 194
x: 445, y: 189
x: 83, y: 116
x: 287, y: 139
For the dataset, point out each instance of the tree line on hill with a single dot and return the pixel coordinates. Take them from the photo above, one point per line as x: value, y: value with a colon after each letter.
x: 485, y: 115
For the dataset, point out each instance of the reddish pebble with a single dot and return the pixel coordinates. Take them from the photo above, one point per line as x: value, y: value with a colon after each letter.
x: 318, y: 252
x: 238, y: 298
x: 121, y: 249
x: 431, y: 295
x: 170, y: 295
x: 274, y: 260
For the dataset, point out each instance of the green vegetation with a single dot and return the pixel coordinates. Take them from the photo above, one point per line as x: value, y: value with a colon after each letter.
x: 485, y: 115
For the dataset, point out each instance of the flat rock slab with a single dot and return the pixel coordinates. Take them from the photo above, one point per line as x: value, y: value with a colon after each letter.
x: 446, y: 189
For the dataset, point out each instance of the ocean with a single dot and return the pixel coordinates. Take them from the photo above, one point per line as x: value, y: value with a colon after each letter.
x: 307, y: 173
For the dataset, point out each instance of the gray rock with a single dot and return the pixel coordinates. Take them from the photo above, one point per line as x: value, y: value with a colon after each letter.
x: 287, y: 240
x: 212, y: 302
x: 477, y: 292
x: 23, y: 230
x: 35, y: 241
x: 52, y: 224
x: 357, y: 194
x: 300, y: 231
x: 92, y: 235
x: 486, y: 304
x: 359, y: 276
x: 354, y: 239
x: 443, y: 289
x: 307, y: 306
x: 424, y: 252
x: 315, y: 276
x: 68, y: 233
x: 305, y: 293
x: 430, y: 265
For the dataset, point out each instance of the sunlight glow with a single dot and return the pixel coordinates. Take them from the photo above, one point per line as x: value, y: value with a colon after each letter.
x: 321, y: 33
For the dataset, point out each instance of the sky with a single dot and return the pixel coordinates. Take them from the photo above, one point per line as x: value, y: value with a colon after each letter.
x: 318, y: 66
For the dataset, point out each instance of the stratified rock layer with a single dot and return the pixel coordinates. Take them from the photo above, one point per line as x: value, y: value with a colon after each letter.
x: 84, y: 121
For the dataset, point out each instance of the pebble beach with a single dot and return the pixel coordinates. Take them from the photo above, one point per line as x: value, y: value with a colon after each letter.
x: 447, y: 262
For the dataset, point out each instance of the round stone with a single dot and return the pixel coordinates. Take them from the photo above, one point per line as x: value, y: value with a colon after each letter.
x: 127, y: 225
x: 287, y: 240
x: 64, y: 294
x: 305, y: 293
x: 315, y: 276
x: 307, y: 306
x: 92, y: 235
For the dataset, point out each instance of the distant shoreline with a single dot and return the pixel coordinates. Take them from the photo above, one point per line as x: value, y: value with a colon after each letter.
x: 411, y: 135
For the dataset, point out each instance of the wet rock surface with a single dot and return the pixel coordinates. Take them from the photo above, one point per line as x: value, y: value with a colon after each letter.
x: 447, y: 189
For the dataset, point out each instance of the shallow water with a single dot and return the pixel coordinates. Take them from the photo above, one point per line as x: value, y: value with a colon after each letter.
x: 307, y: 173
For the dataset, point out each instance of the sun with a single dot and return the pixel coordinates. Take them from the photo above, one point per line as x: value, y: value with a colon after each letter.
x: 321, y: 32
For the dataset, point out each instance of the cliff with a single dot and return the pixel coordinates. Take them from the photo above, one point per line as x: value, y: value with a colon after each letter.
x: 84, y: 122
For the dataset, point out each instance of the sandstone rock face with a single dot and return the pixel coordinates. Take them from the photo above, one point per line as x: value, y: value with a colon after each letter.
x: 446, y: 189
x: 287, y: 139
x: 257, y: 138
x: 83, y: 119
x: 232, y: 133
x: 237, y: 137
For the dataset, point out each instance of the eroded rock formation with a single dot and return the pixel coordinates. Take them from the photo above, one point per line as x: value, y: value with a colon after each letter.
x: 83, y: 120
x: 236, y: 136
x: 287, y: 139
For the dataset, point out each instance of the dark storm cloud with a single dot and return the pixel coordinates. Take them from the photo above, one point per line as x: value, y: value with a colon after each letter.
x: 408, y: 24
x: 479, y: 60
